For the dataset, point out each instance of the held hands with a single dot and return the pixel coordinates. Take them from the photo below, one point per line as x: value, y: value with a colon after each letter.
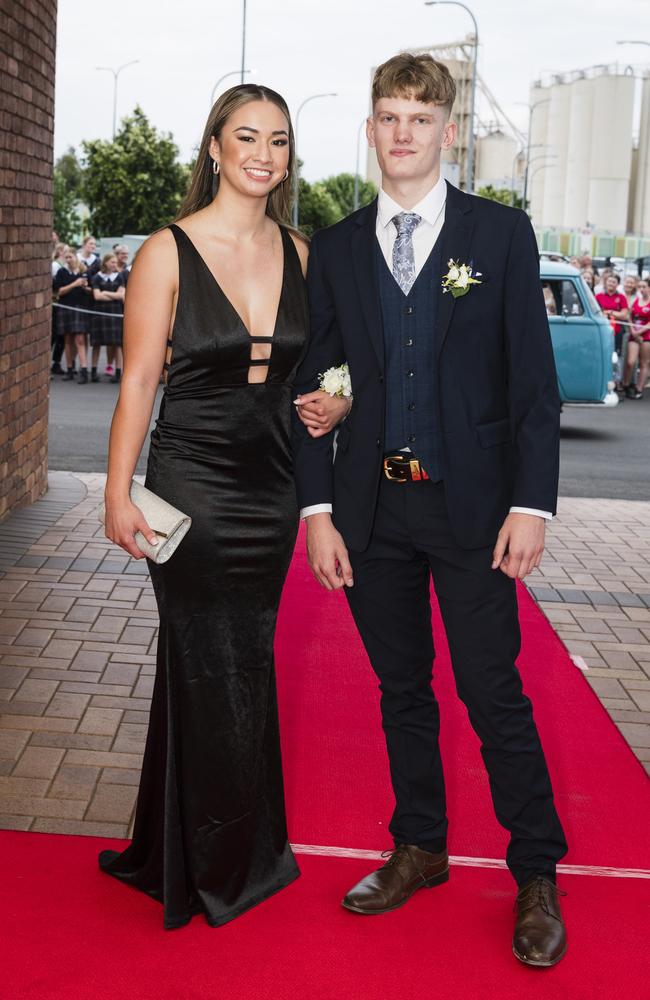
x: 320, y: 412
x: 328, y: 556
x: 520, y: 545
x: 122, y: 520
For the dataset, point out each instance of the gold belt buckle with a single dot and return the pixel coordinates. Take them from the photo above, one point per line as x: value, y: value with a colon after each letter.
x: 388, y: 473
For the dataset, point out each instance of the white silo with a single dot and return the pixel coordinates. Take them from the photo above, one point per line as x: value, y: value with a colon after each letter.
x: 611, y: 151
x: 641, y: 208
x: 495, y: 156
x: 576, y: 194
x: 538, y: 123
x: 557, y: 137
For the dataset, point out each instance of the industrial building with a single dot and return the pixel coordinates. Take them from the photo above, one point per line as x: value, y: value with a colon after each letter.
x: 592, y: 177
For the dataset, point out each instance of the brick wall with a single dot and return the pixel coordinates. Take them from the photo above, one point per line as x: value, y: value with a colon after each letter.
x: 27, y: 53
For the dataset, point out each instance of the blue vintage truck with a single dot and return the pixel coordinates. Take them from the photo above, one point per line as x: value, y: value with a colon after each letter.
x: 583, y: 340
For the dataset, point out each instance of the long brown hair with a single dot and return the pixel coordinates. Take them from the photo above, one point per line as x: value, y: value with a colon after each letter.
x: 204, y: 183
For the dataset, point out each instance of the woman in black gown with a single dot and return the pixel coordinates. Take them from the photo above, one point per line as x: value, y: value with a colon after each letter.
x: 224, y: 289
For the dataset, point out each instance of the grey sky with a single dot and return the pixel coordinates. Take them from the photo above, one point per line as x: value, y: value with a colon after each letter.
x: 309, y: 47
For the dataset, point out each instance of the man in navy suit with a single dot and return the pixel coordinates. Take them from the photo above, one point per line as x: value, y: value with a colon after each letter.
x: 446, y: 467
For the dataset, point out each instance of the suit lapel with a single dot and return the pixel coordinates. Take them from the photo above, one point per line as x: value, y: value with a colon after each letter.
x: 363, y: 246
x: 456, y: 240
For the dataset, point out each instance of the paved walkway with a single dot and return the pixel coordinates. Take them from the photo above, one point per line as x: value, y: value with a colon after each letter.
x: 77, y: 648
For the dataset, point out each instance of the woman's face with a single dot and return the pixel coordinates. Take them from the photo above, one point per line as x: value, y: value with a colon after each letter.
x: 90, y: 245
x: 110, y: 265
x: 629, y: 285
x: 611, y: 284
x: 122, y: 257
x: 644, y: 289
x: 70, y: 259
x: 253, y: 149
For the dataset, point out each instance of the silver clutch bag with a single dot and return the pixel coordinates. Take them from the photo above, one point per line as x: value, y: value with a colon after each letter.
x: 169, y: 524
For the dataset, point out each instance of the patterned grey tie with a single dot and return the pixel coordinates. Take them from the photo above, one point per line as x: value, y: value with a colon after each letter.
x: 403, y: 258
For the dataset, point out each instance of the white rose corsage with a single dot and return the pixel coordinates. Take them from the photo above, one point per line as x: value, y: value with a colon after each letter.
x: 459, y: 278
x: 336, y: 381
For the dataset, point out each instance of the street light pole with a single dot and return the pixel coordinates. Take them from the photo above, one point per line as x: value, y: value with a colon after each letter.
x: 356, y: 172
x: 243, y: 42
x: 532, y: 109
x: 296, y: 207
x: 469, y: 185
x: 116, y: 73
x: 233, y: 72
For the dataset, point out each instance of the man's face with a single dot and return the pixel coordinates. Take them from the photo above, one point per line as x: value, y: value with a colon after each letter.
x: 409, y: 136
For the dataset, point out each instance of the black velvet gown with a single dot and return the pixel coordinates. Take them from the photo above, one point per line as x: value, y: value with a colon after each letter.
x: 210, y: 830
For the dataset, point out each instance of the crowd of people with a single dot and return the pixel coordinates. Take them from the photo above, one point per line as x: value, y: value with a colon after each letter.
x: 628, y: 310
x: 88, y: 310
x: 89, y: 303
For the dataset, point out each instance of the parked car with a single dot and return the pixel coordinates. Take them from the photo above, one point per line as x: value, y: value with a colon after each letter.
x: 583, y: 340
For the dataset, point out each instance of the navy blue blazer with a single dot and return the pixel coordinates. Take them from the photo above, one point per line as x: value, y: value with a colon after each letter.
x: 499, y: 406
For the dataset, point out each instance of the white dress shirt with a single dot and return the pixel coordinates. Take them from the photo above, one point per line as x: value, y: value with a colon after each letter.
x: 431, y: 209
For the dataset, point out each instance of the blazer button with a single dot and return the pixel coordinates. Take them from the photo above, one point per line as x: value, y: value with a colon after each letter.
x: 379, y: 442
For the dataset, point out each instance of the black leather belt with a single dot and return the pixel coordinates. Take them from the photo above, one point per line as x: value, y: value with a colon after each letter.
x: 403, y: 468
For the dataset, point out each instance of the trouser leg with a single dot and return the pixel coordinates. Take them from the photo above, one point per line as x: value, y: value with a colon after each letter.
x: 479, y: 611
x: 391, y: 607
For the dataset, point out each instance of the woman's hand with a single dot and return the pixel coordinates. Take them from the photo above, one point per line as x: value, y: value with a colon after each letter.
x: 320, y: 412
x: 122, y: 520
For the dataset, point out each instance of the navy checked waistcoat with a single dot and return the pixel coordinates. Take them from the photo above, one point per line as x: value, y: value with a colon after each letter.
x: 409, y: 337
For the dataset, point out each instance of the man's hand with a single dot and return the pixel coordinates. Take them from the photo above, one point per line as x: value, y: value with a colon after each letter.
x: 328, y: 556
x: 520, y: 545
x: 320, y: 412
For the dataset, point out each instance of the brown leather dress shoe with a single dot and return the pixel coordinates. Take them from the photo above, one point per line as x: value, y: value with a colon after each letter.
x: 408, y: 869
x: 540, y: 934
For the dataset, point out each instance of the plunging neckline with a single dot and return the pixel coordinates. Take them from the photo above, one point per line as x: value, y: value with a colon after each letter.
x: 265, y: 338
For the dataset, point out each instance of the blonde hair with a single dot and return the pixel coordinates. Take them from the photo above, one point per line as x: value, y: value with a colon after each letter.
x: 204, y: 184
x: 415, y: 77
x: 79, y: 266
x: 108, y: 256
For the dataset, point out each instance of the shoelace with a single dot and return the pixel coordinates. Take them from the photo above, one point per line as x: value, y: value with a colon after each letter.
x: 394, y: 856
x: 537, y: 893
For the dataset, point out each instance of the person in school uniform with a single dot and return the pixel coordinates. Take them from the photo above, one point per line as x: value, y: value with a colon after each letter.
x: 89, y: 257
x: 638, y: 345
x: 121, y: 251
x: 70, y: 283
x: 106, y: 331
x: 57, y: 338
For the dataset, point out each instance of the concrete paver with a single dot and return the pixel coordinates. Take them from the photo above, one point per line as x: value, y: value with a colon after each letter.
x: 77, y: 648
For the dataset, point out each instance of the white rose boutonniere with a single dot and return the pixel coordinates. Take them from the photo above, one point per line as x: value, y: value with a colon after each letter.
x: 459, y: 278
x: 336, y: 381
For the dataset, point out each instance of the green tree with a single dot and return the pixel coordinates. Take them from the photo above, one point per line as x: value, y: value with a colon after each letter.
x: 71, y: 172
x: 67, y: 191
x: 66, y: 218
x: 503, y: 195
x: 317, y: 207
x: 341, y: 188
x: 135, y: 183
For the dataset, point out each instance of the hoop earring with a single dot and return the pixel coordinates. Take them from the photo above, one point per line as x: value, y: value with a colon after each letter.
x: 286, y: 175
x: 216, y: 167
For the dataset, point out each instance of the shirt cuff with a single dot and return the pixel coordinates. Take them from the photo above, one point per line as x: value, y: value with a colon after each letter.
x: 317, y: 508
x: 546, y: 514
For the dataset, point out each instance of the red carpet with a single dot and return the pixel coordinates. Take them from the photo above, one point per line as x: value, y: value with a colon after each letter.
x: 75, y: 934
